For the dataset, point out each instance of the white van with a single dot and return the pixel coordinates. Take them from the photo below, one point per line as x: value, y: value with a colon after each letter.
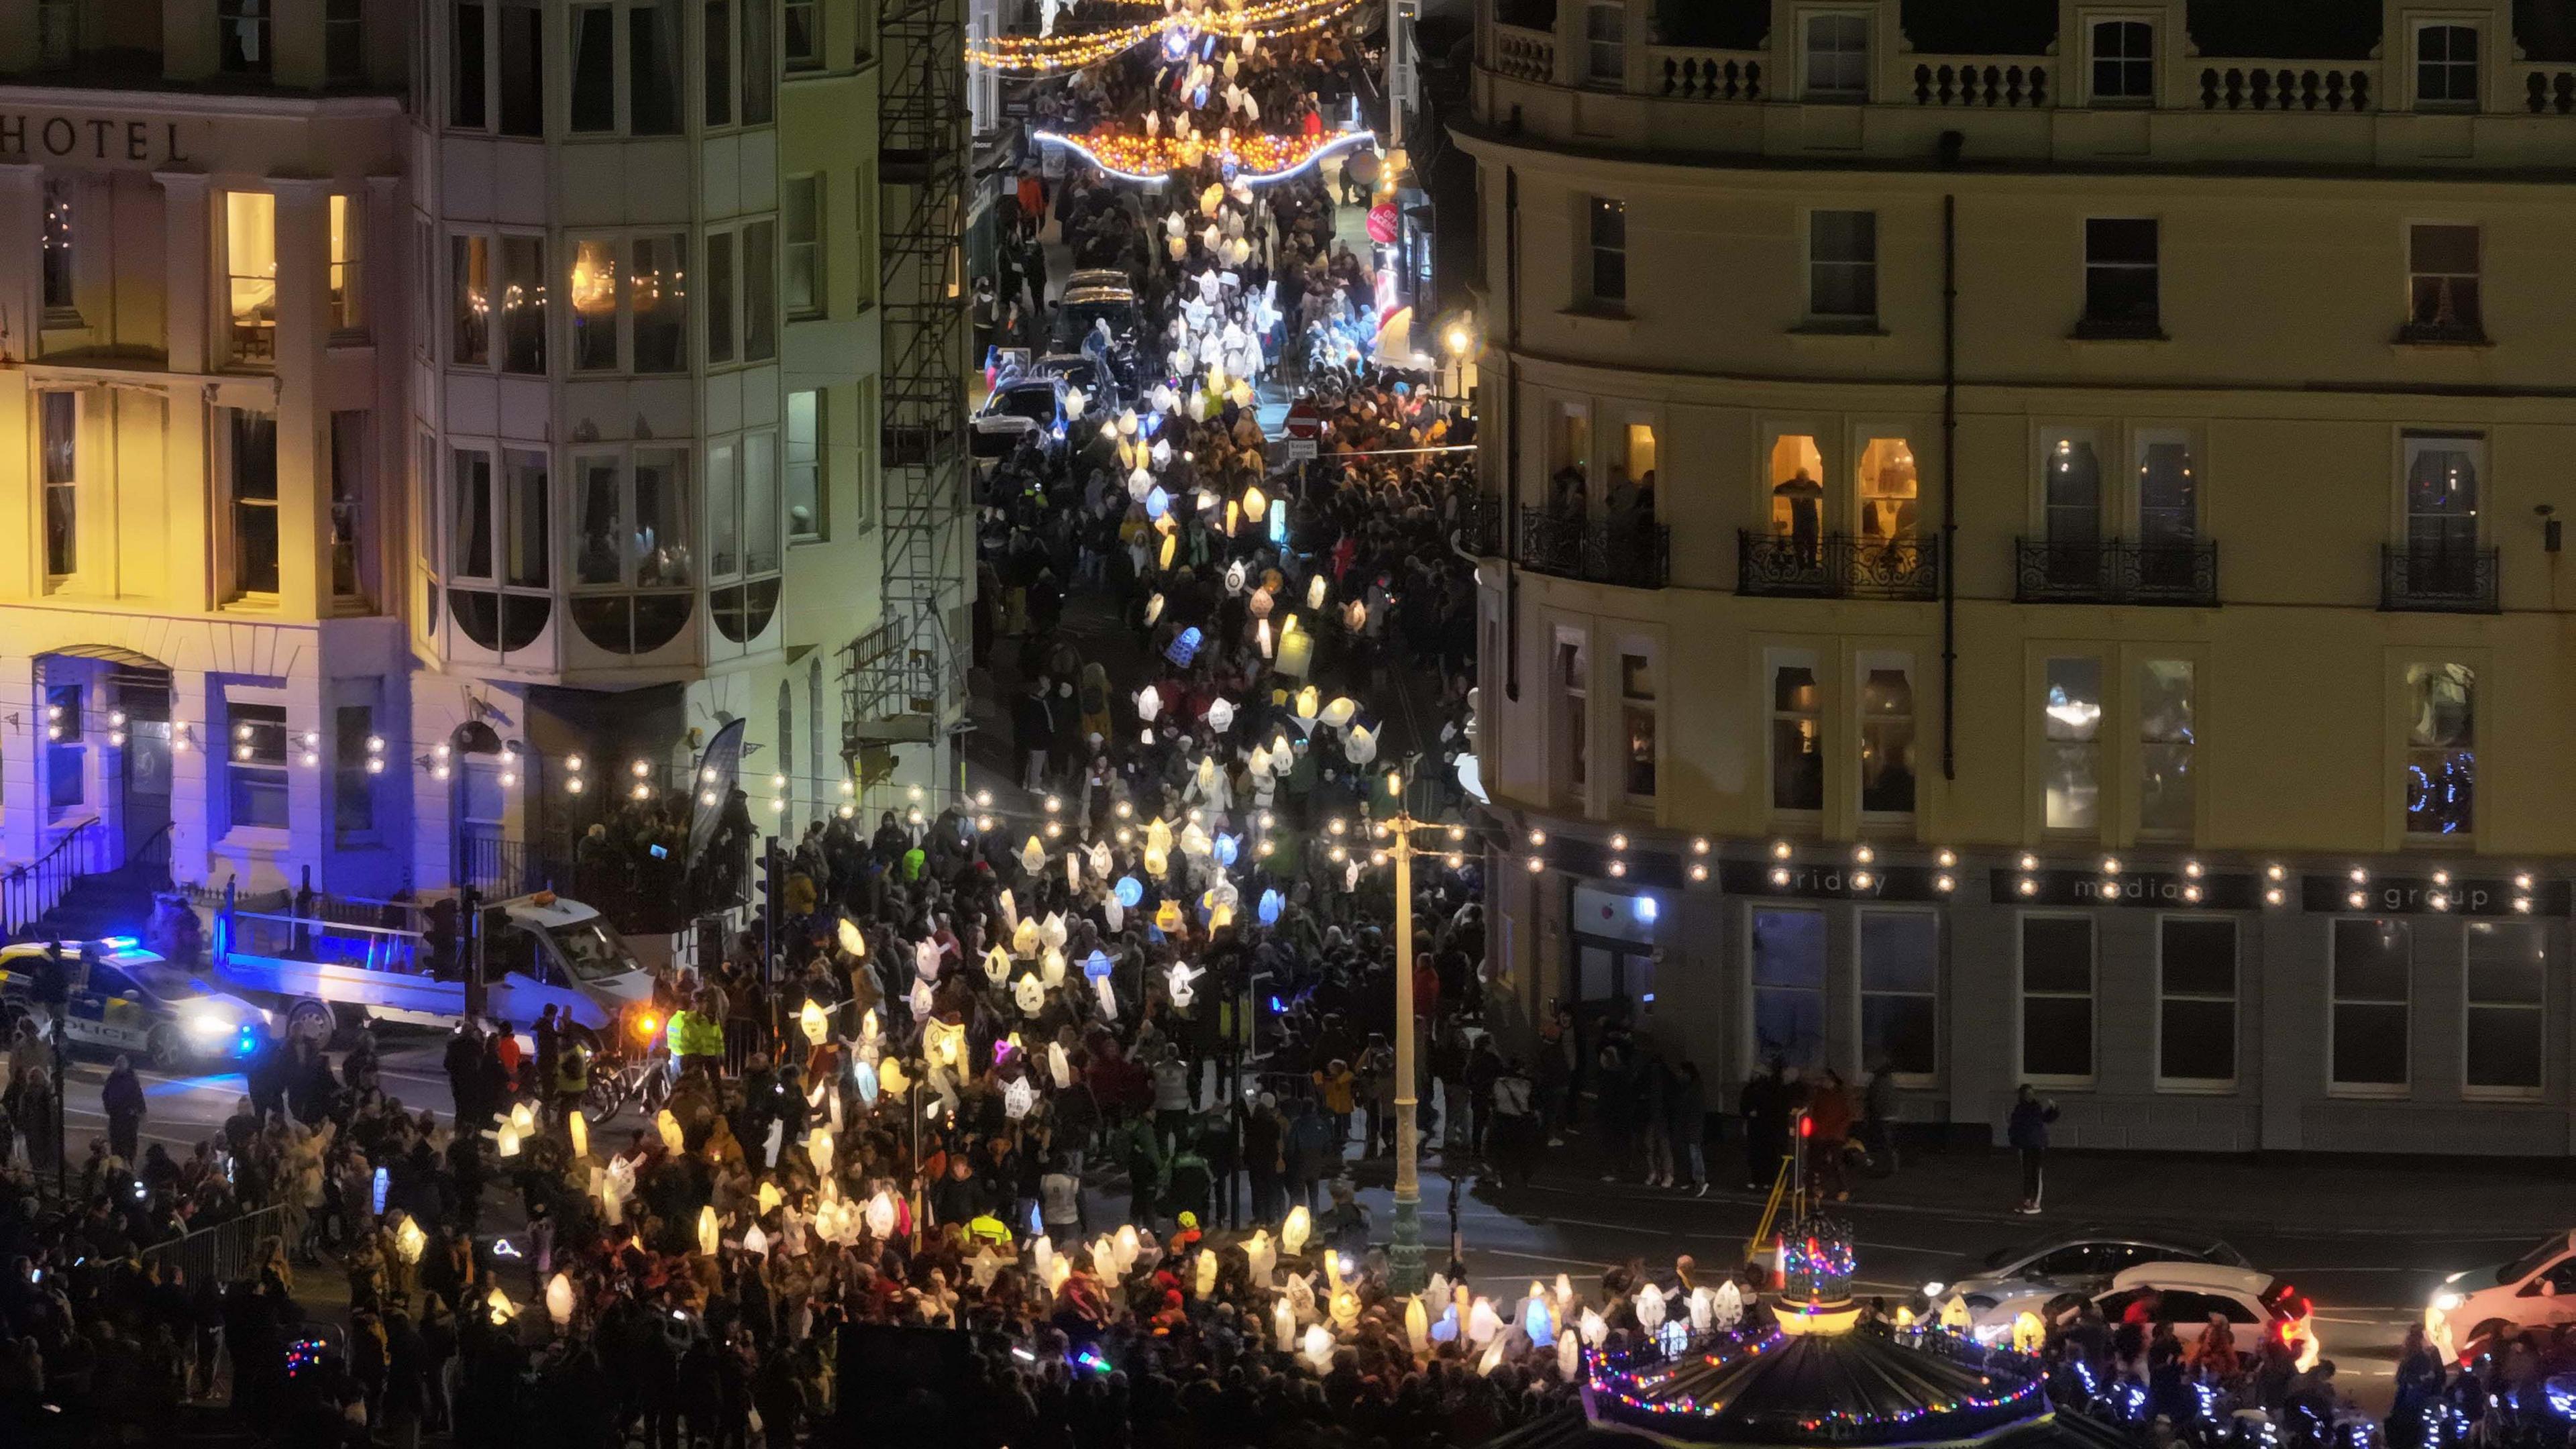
x: 538, y: 951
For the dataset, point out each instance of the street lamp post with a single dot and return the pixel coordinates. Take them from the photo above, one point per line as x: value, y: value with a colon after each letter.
x: 1404, y: 1252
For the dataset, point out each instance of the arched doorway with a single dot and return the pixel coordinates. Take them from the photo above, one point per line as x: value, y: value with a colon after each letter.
x: 106, y: 754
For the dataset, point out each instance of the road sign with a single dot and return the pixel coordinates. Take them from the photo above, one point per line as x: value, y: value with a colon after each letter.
x: 1303, y: 421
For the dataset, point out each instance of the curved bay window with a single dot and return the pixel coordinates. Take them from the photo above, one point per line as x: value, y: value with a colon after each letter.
x: 744, y: 526
x: 497, y: 564
x: 632, y: 568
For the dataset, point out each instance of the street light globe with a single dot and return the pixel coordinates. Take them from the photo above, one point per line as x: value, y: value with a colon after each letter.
x: 1460, y: 340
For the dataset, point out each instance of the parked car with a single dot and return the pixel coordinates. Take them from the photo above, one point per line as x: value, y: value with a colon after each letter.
x: 1016, y: 410
x: 2080, y: 1258
x: 2181, y: 1295
x: 2536, y: 1289
x: 131, y: 1000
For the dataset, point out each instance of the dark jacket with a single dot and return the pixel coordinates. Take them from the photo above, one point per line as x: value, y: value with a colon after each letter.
x: 2028, y: 1130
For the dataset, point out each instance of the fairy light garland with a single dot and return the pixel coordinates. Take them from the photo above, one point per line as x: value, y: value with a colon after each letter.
x: 1055, y: 54
x: 1256, y: 160
x: 2015, y: 1379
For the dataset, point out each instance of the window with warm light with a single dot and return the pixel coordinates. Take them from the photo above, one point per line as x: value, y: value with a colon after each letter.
x: 2441, y: 776
x: 632, y: 569
x: 1798, y: 493
x: 1638, y: 719
x: 2167, y: 784
x: 255, y: 792
x: 469, y: 271
x: 2070, y: 475
x: 58, y: 446
x: 2071, y: 744
x: 1886, y: 491
x: 1797, y: 736
x: 594, y: 305
x: 250, y: 264
x: 348, y: 239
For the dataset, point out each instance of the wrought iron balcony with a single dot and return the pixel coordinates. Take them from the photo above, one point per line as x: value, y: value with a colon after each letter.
x: 2116, y: 571
x: 1836, y: 566
x: 1634, y: 552
x: 1480, y: 525
x: 2437, y: 580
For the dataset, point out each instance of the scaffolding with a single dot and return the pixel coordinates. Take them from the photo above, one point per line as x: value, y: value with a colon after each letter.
x: 904, y: 681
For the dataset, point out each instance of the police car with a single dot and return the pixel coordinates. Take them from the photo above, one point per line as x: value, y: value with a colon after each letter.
x: 131, y: 1000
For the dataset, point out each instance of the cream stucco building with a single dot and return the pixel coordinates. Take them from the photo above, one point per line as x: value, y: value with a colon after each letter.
x: 2025, y: 550
x: 413, y: 399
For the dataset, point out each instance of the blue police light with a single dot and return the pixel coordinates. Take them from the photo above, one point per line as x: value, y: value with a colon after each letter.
x: 117, y: 943
x: 1645, y: 909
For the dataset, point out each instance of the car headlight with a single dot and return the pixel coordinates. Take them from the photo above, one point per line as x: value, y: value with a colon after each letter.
x: 2455, y: 1277
x: 1933, y: 1289
x: 209, y: 1024
x: 2446, y: 1302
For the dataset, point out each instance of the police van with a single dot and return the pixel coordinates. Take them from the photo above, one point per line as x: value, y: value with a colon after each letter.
x: 123, y: 998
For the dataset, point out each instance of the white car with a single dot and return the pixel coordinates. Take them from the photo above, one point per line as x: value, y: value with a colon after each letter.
x: 2537, y: 1289
x: 2186, y: 1296
x: 2082, y: 1259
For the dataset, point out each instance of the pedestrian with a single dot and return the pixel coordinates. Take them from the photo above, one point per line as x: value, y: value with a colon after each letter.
x: 121, y: 1098
x: 1515, y: 1129
x: 1764, y: 1106
x: 2027, y: 1131
x: 1686, y: 1110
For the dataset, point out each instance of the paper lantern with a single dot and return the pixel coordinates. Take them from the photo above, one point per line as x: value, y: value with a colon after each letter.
x: 919, y: 999
x: 1306, y: 707
x: 997, y: 965
x: 1033, y: 856
x: 1703, y: 1314
x: 1596, y: 1329
x: 863, y: 1075
x: 1319, y: 1347
x: 767, y: 1197
x: 509, y: 1140
x: 853, y: 941
x: 1360, y: 745
x: 818, y: 1150
x: 1294, y: 1231
x: 1220, y: 715
x: 1234, y: 577
x: 1029, y: 994
x: 1024, y: 938
x: 1569, y: 1356
x: 868, y: 1020
x: 1339, y: 712
x: 755, y: 1241
x: 1018, y: 1096
x: 523, y: 1119
x: 1073, y: 870
x: 1059, y: 1065
x: 810, y: 1017
x: 1179, y: 978
x: 1108, y: 998
x: 1283, y: 1324
x: 1167, y: 916
x: 1315, y: 592
x: 1417, y: 1325
x: 1727, y: 1306
x: 1270, y: 907
x: 1149, y: 702
x: 409, y: 1240
x: 1158, y: 862
x: 559, y: 1300
x: 891, y: 1078
x: 498, y: 1304
x: 1051, y: 968
x: 1041, y: 1253
x: 1650, y: 1307
x: 1129, y: 892
x: 1482, y: 1322
x: 880, y: 1215
x: 1253, y: 501
x: 1954, y: 1315
x: 669, y: 1127
x: 1097, y: 964
x: 580, y: 1129
x: 1536, y: 1322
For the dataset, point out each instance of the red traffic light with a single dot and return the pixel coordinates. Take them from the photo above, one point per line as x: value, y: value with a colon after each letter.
x: 1806, y: 1125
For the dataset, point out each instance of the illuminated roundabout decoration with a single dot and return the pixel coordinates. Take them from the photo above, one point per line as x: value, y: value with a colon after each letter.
x: 1255, y: 160
x: 1178, y: 30
x: 1821, y: 1379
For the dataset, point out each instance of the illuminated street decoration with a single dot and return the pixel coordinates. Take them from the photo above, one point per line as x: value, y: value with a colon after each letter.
x: 1256, y: 160
x: 1178, y: 33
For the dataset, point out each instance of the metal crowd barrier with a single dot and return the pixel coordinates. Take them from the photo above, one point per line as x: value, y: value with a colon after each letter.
x: 219, y: 1253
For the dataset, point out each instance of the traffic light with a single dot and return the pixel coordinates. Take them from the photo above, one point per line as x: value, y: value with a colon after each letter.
x: 769, y: 880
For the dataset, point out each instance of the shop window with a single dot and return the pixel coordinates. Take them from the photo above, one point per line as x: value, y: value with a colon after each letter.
x: 2124, y: 61
x: 1798, y: 494
x: 594, y: 68
x: 806, y: 493
x: 58, y: 445
x: 718, y: 56
x: 357, y: 758
x: 631, y: 569
x: 1887, y: 739
x: 2373, y: 971
x: 250, y: 474
x: 2441, y: 750
x: 241, y: 37
x: 344, y: 42
x: 2504, y: 1043
x: 255, y: 770
x: 1900, y: 1000
x: 2071, y: 730
x: 2446, y: 67
x: 470, y: 291
x: 62, y: 297
x: 2167, y: 784
x: 1888, y: 491
x: 1608, y: 278
x: 1789, y: 986
x: 2442, y: 284
x: 800, y: 213
x: 1797, y: 744
x: 1842, y: 266
x: 1637, y: 716
x: 1573, y: 679
x: 2057, y: 999
x: 465, y: 61
x: 523, y: 68
x: 2120, y: 277
x: 348, y: 261
x: 653, y: 68
x: 250, y: 261
x: 1837, y: 55
x: 2196, y: 1002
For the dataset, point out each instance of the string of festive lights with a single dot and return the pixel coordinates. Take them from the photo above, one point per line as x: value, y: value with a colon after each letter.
x: 1055, y: 54
x: 1255, y: 160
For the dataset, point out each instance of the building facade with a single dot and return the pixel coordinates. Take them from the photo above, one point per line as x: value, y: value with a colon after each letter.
x: 2024, y: 551
x: 437, y: 420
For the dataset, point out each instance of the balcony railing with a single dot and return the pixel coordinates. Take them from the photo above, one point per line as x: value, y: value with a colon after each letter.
x: 2437, y: 580
x: 1480, y: 526
x: 1636, y: 553
x: 2116, y: 571
x: 1836, y: 566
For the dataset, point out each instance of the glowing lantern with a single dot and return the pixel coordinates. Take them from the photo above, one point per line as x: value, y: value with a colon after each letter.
x: 818, y: 1149
x: 811, y: 1019
x: 997, y: 965
x: 509, y: 1140
x: 409, y: 1240
x: 1283, y: 1323
x: 1220, y: 716
x: 1319, y: 1347
x: 1293, y: 1232
x: 853, y: 941
x: 707, y: 1231
x: 1482, y: 1322
x: 2027, y: 1334
x: 1149, y: 703
x: 1417, y: 1325
x: 1180, y: 977
x: 1339, y: 712
x: 1315, y: 592
x: 1650, y: 1307
x: 1033, y: 856
x: 580, y: 1127
x: 755, y: 1241
x: 559, y: 1300
x: 1305, y: 709
x: 669, y: 1127
x: 1059, y: 1066
x: 1253, y: 501
x: 1261, y: 1257
x: 880, y: 1215
x: 767, y: 1197
x: 1029, y: 994
x: 523, y: 1119
x: 1018, y: 1096
x: 891, y: 1078
x: 1024, y: 940
x: 498, y: 1304
x: 1051, y: 968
